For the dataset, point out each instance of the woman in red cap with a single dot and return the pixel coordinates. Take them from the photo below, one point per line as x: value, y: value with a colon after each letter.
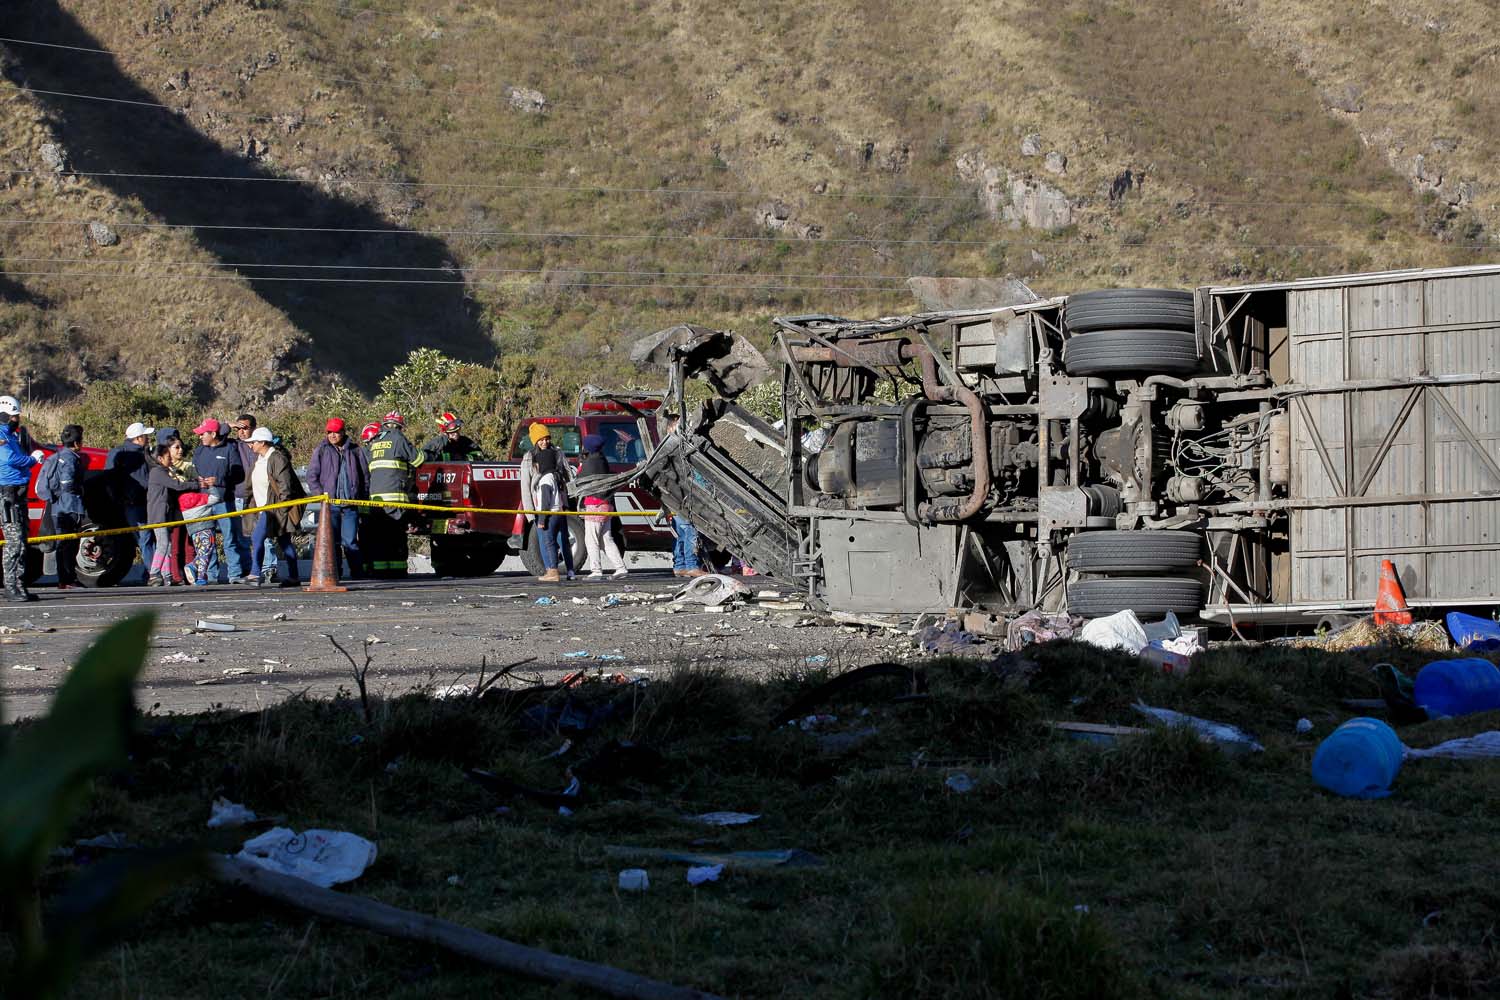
x: 341, y: 468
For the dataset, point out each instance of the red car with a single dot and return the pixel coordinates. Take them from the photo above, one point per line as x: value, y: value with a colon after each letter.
x: 102, y: 562
x: 476, y: 544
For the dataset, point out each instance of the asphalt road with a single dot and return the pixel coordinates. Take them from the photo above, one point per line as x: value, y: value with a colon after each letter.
x: 431, y: 633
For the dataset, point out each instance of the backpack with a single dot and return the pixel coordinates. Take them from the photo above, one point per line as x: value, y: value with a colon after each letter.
x: 46, y: 480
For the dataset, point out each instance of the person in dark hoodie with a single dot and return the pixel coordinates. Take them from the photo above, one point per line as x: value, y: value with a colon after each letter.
x: 340, y: 468
x: 163, y: 485
x: 598, y: 532
x: 130, y: 467
x: 218, y: 457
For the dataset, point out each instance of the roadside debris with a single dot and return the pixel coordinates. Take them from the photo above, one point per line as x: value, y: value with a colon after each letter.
x: 546, y: 601
x: 959, y: 784
x: 634, y: 880
x: 204, y: 625
x: 1230, y: 739
x: 711, y: 591
x: 180, y: 658
x: 24, y: 626
x: 793, y: 858
x: 699, y: 874
x: 946, y: 639
x: 1093, y: 732
x: 1034, y: 627
x: 1121, y: 630
x: 322, y: 857
x: 1472, y: 634
x: 1477, y: 747
x: 726, y: 818
x: 1365, y: 632
x: 1448, y: 688
x: 1359, y: 759
x: 223, y: 813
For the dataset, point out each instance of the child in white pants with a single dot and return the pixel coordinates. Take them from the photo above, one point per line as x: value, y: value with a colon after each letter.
x: 597, y: 535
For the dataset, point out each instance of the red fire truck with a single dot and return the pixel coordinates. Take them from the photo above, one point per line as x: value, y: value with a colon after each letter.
x: 475, y: 544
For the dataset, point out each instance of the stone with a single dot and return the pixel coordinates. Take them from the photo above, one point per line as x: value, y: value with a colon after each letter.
x: 177, y: 81
x: 1056, y: 163
x: 1444, y: 143
x: 1037, y: 204
x: 54, y: 156
x: 1031, y: 145
x: 991, y: 180
x: 970, y: 293
x: 103, y: 235
x: 1350, y: 99
x: 524, y: 99
x: 777, y: 217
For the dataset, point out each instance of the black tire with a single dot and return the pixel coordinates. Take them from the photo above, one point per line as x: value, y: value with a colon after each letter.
x: 1134, y: 551
x: 1132, y: 352
x: 1126, y: 308
x: 1147, y: 596
x: 466, y: 556
x: 116, y: 554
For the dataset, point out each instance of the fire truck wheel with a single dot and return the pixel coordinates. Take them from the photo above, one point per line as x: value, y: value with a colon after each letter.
x: 466, y: 557
x: 531, y: 555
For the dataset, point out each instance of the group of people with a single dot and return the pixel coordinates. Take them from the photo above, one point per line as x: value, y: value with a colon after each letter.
x: 152, y: 478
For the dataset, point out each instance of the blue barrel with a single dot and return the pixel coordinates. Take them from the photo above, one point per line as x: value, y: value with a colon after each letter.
x: 1475, y: 635
x: 1359, y: 759
x: 1458, y: 687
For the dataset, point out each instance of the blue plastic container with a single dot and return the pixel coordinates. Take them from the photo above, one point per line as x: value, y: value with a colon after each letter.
x: 1458, y: 687
x: 1471, y: 634
x: 1359, y: 759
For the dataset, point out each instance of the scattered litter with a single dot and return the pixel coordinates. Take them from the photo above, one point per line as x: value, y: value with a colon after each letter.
x: 546, y: 601
x: 698, y: 874
x: 1359, y: 759
x: 1093, y: 732
x: 1121, y: 630
x: 564, y: 811
x: 1304, y: 726
x: 225, y: 813
x: 915, y: 686
x: 1034, y: 627
x: 279, y: 616
x: 794, y: 857
x: 581, y: 600
x: 1472, y: 634
x: 1229, y: 738
x: 408, y: 604
x: 634, y: 880
x: 711, y: 591
x: 25, y: 666
x: 1450, y: 688
x: 322, y: 857
x: 375, y: 640
x: 204, y: 625
x: 579, y: 654
x: 819, y: 658
x: 769, y: 595
x: 610, y: 656
x: 959, y: 783
x: 235, y: 671
x: 810, y: 722
x: 948, y: 637
x: 1363, y: 633
x: 1174, y: 656
x: 455, y: 880
x: 784, y: 605
x: 566, y: 746
x: 1467, y: 748
x: 25, y: 626
x: 205, y: 680
x: 453, y: 691
x: 726, y: 818
x: 835, y: 744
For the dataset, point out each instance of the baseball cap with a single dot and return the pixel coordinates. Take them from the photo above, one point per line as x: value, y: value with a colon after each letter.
x: 209, y: 426
x: 593, y: 442
x: 262, y: 434
x: 334, y: 424
x: 139, y: 429
x: 165, y: 435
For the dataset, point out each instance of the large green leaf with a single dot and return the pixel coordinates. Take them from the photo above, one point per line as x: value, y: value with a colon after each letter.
x: 45, y: 773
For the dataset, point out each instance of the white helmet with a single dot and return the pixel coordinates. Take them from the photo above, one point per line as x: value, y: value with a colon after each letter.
x: 10, y: 406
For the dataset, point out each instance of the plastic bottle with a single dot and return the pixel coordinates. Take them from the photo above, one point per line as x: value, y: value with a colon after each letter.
x: 1359, y: 759
x: 1457, y: 687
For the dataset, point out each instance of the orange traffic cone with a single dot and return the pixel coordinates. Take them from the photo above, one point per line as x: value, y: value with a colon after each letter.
x: 325, y: 574
x: 1390, y: 602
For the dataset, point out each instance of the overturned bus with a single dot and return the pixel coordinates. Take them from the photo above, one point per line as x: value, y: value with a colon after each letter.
x: 1239, y: 452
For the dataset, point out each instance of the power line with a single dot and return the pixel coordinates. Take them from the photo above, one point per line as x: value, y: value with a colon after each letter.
x: 135, y: 276
x: 709, y: 237
x: 456, y: 269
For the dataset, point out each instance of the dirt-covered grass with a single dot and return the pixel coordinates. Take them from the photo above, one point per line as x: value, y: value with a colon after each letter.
x: 1153, y: 867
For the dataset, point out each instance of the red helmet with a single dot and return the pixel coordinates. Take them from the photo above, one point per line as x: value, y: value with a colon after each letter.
x: 394, y: 418
x: 369, y: 431
x: 448, y: 422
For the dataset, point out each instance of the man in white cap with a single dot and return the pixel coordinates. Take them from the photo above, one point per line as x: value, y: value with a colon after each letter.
x: 128, y: 471
x: 15, y: 474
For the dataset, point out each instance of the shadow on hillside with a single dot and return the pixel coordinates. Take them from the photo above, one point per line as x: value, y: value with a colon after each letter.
x: 358, y: 330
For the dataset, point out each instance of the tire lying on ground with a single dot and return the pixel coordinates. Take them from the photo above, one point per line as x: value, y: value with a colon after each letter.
x: 1133, y: 551
x: 1125, y: 308
x: 1132, y: 352
x: 531, y: 555
x: 1147, y: 596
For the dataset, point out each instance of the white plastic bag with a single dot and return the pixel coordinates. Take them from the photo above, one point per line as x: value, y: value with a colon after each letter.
x: 226, y: 813
x: 322, y: 857
x: 1121, y: 630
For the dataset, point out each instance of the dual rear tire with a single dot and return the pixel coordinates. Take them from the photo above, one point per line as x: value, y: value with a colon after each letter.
x: 1147, y: 572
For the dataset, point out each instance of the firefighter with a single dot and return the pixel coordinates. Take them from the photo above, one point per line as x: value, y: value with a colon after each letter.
x: 449, y: 444
x: 15, y: 474
x: 392, y: 459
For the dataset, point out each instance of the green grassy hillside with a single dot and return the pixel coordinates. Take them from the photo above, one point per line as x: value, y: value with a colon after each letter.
x: 550, y: 180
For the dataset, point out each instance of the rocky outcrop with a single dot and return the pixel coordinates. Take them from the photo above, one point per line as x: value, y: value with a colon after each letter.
x: 1017, y: 200
x: 526, y: 100
x: 103, y: 235
x: 970, y: 293
x: 778, y: 217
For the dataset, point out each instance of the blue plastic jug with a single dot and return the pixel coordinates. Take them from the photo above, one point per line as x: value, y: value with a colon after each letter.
x: 1476, y: 635
x: 1359, y: 759
x: 1457, y: 687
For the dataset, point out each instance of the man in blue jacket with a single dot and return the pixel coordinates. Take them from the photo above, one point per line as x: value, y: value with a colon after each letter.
x: 15, y: 474
x: 128, y: 470
x: 340, y: 468
x: 218, y: 458
x: 62, y: 478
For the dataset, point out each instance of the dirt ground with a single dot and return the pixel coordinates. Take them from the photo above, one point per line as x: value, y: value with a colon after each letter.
x: 431, y: 633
